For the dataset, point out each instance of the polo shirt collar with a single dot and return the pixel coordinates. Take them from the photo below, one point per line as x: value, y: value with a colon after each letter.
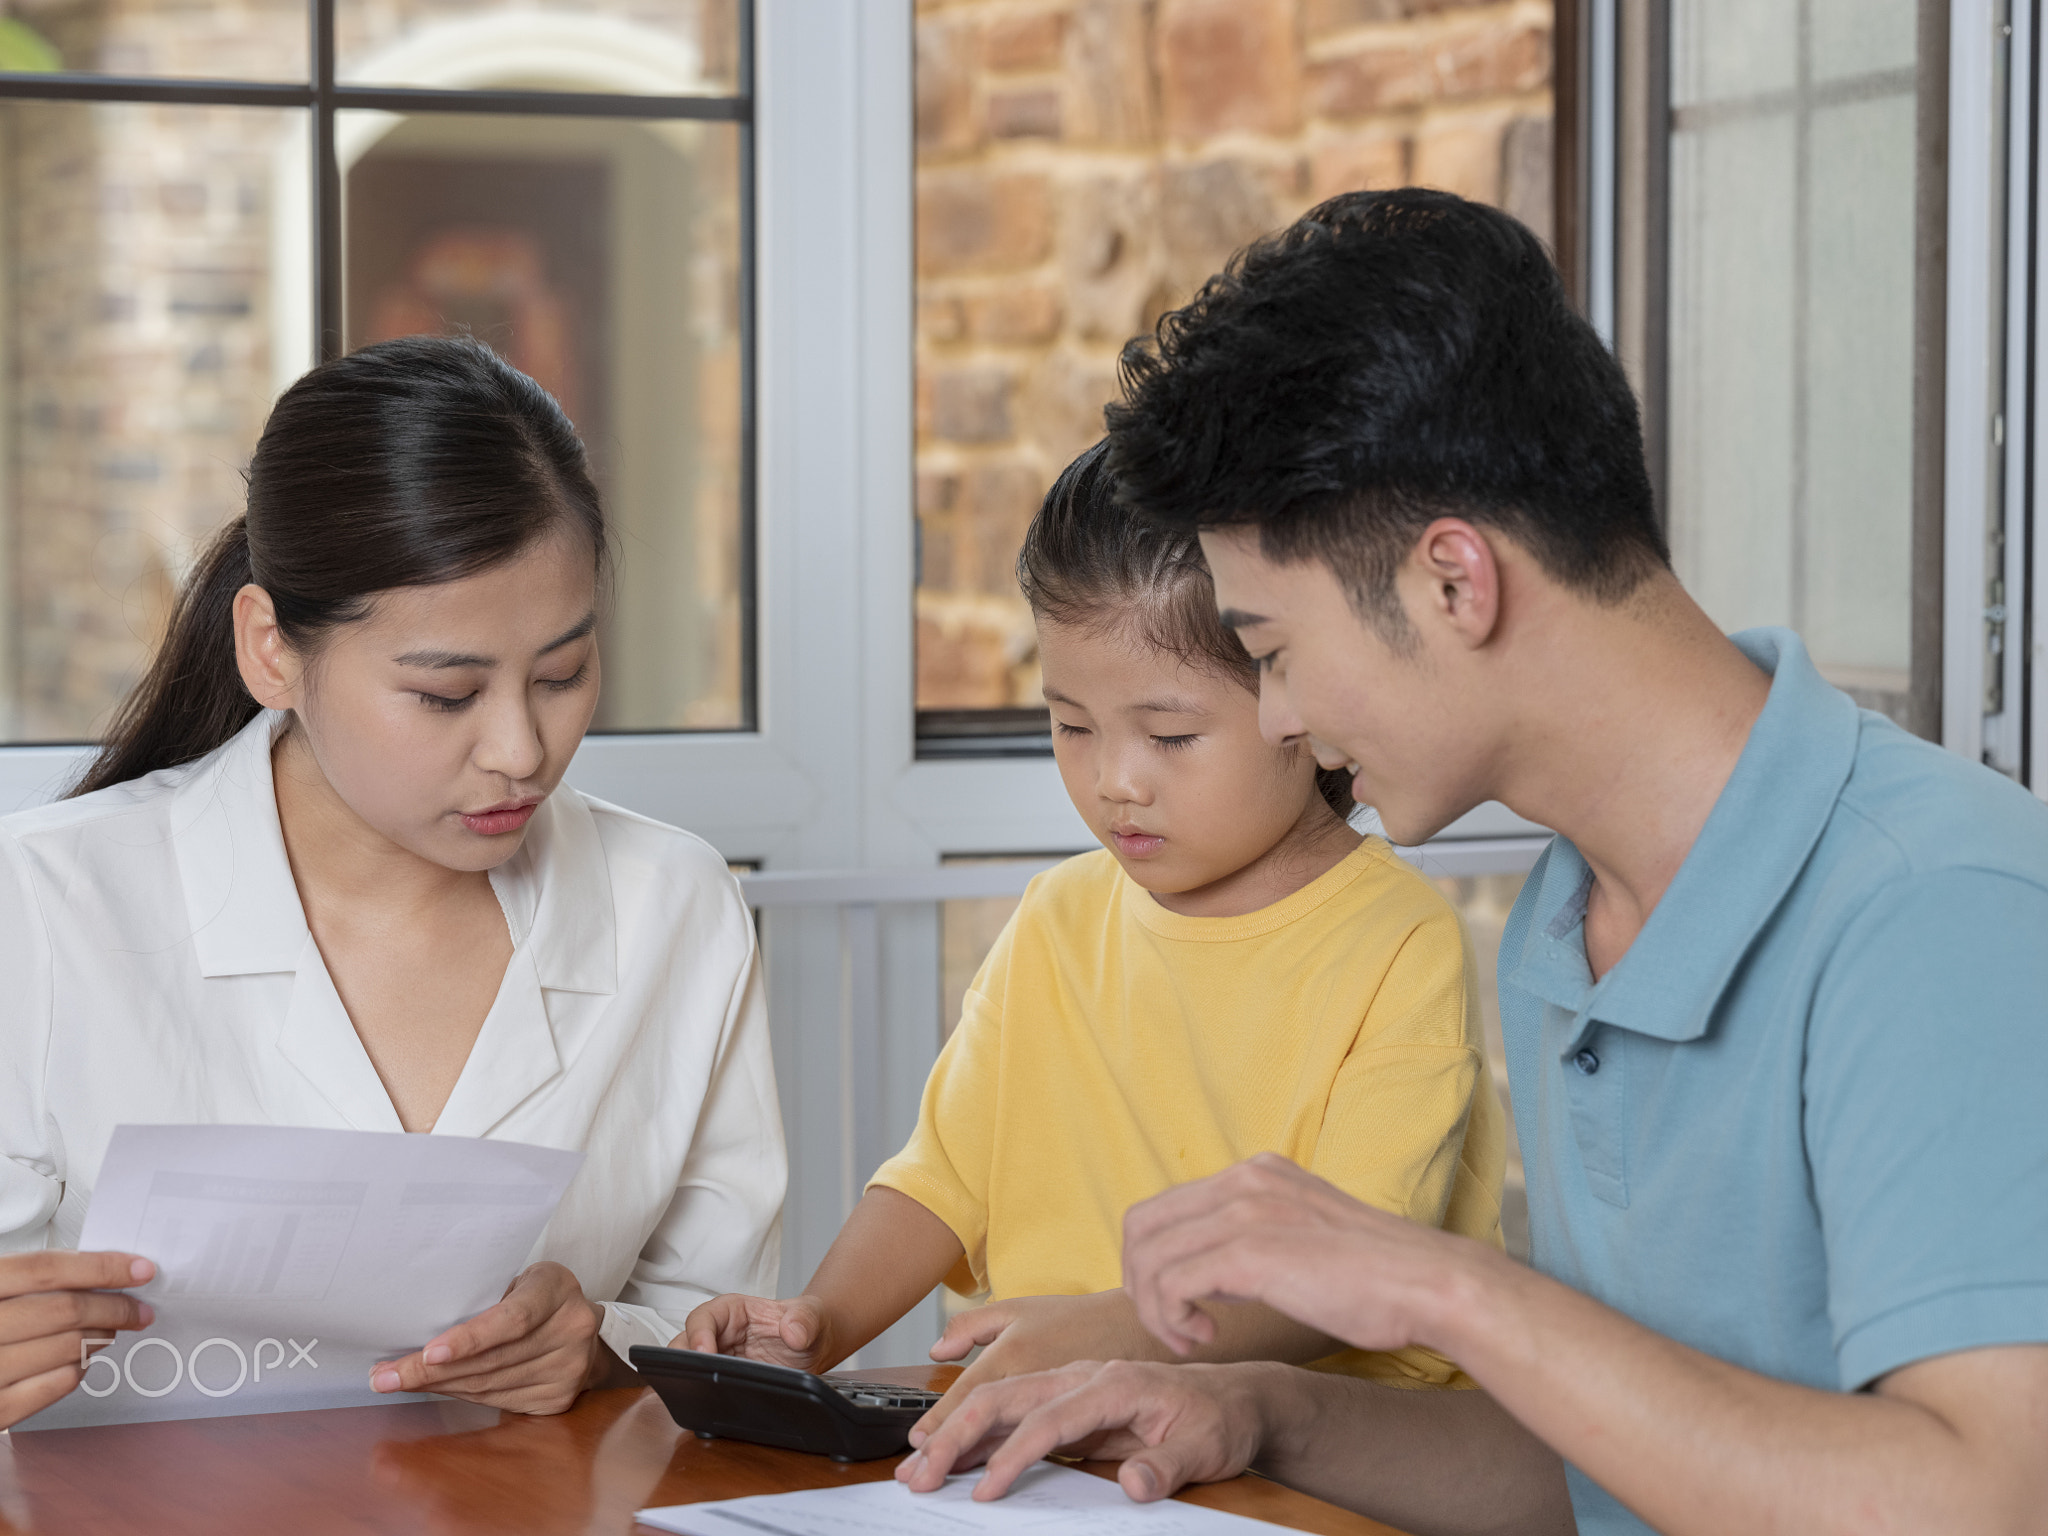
x: 244, y: 908
x: 1757, y: 838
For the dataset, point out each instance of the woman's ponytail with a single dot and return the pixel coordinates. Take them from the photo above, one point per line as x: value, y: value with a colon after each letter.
x: 191, y: 699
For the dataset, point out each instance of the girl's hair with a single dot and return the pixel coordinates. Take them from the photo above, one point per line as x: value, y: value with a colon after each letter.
x: 1091, y: 562
x: 405, y: 464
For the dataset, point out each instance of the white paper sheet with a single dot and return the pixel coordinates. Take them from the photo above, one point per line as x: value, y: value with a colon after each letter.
x: 1046, y: 1498
x: 290, y: 1260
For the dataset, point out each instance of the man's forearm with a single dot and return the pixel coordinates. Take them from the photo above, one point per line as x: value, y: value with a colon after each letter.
x: 1695, y: 1445
x: 1432, y: 1463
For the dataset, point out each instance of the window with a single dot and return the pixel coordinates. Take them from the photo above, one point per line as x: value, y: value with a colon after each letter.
x: 195, y: 203
x: 1082, y: 168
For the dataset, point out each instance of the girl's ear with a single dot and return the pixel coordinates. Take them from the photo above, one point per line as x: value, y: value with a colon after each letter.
x: 269, y: 668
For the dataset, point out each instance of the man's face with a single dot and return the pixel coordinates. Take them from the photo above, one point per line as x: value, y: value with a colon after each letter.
x: 1408, y: 721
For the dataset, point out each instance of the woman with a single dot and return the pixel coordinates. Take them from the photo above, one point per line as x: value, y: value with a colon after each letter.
x: 320, y: 874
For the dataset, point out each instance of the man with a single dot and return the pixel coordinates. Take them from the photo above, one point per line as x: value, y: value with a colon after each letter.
x: 1775, y: 1000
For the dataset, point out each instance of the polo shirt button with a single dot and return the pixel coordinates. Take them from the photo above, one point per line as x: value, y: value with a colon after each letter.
x: 1587, y: 1062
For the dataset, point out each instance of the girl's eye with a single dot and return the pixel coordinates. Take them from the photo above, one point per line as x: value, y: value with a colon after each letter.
x: 1265, y: 663
x: 1061, y: 727
x: 1176, y: 743
x: 445, y: 704
x: 565, y: 684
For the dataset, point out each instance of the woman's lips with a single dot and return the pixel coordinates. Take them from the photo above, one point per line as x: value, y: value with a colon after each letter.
x: 1137, y: 845
x: 500, y: 819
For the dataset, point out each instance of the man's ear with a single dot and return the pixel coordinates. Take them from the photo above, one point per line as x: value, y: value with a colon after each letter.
x: 270, y: 670
x: 1454, y: 580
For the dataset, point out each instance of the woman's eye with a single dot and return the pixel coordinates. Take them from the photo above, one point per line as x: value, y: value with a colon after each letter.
x: 445, y: 704
x: 1060, y: 727
x: 565, y: 684
x: 1265, y: 663
x: 1176, y: 743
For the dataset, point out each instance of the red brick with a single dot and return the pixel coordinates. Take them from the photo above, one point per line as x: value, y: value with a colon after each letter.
x: 1109, y: 243
x: 940, y: 318
x: 1228, y: 64
x: 970, y: 222
x: 1206, y: 213
x: 947, y: 48
x: 1112, y: 92
x: 1003, y: 497
x: 971, y: 404
x: 1462, y: 157
x: 1033, y: 114
x: 1010, y: 317
x: 1063, y: 403
x: 1480, y: 58
x: 1024, y: 42
x: 1355, y: 162
x: 1320, y: 18
x: 961, y: 666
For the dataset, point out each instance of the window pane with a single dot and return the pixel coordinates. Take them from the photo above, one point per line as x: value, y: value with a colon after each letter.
x: 645, y: 47
x: 201, y: 39
x: 153, y: 267
x: 1791, y: 315
x: 602, y: 257
x: 1082, y: 169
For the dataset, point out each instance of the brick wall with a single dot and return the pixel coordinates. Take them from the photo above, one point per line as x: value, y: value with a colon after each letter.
x: 1082, y: 165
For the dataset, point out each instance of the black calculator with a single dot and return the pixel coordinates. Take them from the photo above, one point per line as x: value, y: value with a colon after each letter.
x: 724, y: 1397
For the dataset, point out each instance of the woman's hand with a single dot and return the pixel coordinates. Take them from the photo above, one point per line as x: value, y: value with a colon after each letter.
x: 794, y: 1333
x: 56, y: 1308
x: 534, y: 1352
x: 1035, y: 1333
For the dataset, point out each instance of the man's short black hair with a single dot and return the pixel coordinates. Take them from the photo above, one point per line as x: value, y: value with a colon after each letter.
x: 1391, y: 358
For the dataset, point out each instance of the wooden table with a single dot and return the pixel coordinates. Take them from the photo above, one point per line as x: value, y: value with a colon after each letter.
x: 447, y: 1469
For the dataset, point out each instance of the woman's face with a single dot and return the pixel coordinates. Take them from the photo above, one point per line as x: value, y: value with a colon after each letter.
x: 444, y: 717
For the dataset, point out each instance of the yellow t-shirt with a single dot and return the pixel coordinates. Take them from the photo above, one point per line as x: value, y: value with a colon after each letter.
x: 1110, y: 1048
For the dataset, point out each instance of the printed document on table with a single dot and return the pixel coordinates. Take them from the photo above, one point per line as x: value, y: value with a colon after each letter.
x: 1047, y: 1498
x: 290, y: 1260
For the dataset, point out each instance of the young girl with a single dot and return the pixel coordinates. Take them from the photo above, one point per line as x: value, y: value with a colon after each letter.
x: 1240, y: 971
x: 322, y: 874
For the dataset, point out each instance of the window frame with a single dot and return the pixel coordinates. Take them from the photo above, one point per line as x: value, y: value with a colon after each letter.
x: 1979, y: 574
x: 24, y: 768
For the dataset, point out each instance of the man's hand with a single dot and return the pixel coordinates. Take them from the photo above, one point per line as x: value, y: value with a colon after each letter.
x: 793, y: 1333
x: 56, y: 1309
x: 1034, y: 1333
x: 534, y: 1352
x: 1169, y: 1425
x: 1268, y: 1231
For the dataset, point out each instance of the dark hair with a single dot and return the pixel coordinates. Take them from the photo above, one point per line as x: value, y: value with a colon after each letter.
x: 1390, y: 358
x: 1086, y: 561
x: 405, y: 464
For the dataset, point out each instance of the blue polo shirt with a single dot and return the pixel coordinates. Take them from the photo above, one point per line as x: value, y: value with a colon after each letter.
x: 1803, y: 1124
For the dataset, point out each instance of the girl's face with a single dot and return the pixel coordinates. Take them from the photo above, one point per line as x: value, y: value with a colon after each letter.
x: 444, y: 717
x: 1165, y: 762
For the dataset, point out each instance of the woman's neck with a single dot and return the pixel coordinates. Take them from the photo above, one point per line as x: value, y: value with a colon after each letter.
x: 338, y: 859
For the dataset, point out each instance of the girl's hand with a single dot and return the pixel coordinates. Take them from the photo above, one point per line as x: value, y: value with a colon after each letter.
x: 792, y: 1333
x: 534, y: 1352
x: 56, y: 1309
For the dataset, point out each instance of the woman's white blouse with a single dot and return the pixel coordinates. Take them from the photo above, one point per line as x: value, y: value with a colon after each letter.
x: 157, y: 970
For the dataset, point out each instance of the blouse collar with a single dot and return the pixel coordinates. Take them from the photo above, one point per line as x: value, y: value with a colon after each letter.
x: 244, y: 906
